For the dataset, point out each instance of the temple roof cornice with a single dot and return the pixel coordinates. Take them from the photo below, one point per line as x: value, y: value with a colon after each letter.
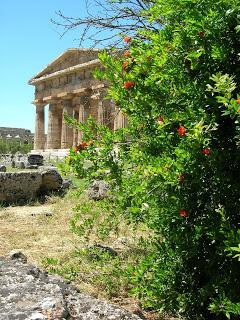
x: 83, y: 66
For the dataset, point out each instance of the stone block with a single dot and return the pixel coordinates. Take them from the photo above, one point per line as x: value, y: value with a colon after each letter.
x: 35, y: 159
x: 3, y: 168
x: 28, y: 185
x: 20, y: 164
x: 51, y: 180
x: 19, y: 186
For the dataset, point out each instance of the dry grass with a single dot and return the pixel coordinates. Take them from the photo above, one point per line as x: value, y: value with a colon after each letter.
x: 31, y: 229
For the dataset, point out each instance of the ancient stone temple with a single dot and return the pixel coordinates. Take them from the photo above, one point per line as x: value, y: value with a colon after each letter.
x: 67, y: 85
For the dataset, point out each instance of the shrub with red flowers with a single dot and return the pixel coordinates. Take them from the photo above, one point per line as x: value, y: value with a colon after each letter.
x: 125, y: 65
x: 129, y: 84
x: 127, y: 39
x: 127, y: 54
x: 187, y: 73
x: 182, y: 131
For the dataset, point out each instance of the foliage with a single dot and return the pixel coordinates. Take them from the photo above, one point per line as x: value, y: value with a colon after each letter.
x: 12, y: 146
x: 95, y: 268
x: 176, y: 167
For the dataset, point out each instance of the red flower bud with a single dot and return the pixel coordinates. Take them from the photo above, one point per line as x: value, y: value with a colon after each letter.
x: 129, y: 84
x: 201, y: 34
x: 125, y: 65
x: 76, y: 149
x: 127, y: 39
x: 80, y: 147
x: 127, y: 54
x: 206, y: 151
x: 238, y: 110
x: 182, y: 131
x: 238, y: 101
x: 183, y: 213
x: 160, y: 120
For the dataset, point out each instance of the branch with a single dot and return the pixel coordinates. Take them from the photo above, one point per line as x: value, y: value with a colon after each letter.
x: 111, y: 18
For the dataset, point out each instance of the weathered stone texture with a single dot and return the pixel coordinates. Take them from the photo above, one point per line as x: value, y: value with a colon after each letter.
x: 51, y: 180
x: 27, y: 293
x: 35, y: 159
x: 21, y: 185
x: 28, y: 185
x: 98, y: 190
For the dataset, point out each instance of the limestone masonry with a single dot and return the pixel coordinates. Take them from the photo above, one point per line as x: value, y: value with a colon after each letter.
x: 67, y: 86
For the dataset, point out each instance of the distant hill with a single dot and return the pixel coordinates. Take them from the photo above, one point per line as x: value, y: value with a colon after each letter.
x: 16, y: 133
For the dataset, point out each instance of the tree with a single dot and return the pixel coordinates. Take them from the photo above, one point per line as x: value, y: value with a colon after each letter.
x: 180, y: 88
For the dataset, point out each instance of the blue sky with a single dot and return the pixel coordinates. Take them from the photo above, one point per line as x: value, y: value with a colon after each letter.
x: 28, y: 42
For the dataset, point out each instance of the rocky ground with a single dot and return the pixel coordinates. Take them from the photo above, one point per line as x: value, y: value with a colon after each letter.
x: 41, y: 230
x: 27, y: 293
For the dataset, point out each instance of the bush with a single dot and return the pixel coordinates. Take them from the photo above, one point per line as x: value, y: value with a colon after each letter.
x: 180, y: 173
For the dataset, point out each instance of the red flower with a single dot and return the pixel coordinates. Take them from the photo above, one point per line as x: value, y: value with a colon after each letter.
x: 76, y: 149
x: 238, y: 101
x: 181, y: 178
x: 127, y: 54
x: 125, y: 65
x: 129, y: 84
x: 206, y: 151
x: 183, y: 213
x: 160, y: 120
x: 201, y: 34
x: 182, y: 131
x: 127, y: 39
x: 83, y: 145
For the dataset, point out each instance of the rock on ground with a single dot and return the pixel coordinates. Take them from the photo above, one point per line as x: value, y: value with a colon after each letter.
x: 3, y: 168
x: 20, y: 185
x: 27, y: 293
x: 98, y: 190
x: 51, y: 180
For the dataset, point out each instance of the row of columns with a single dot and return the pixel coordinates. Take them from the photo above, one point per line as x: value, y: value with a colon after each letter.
x: 60, y: 135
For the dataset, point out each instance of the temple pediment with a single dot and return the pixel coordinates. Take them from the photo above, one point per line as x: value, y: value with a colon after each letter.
x: 66, y: 62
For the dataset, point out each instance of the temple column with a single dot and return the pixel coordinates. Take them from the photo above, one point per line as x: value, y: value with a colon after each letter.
x: 75, y: 131
x: 84, y: 111
x: 94, y: 107
x: 53, y: 137
x: 108, y: 109
x: 100, y: 112
x: 67, y: 132
x: 120, y: 120
x: 39, y: 136
x: 59, y: 116
x: 98, y: 107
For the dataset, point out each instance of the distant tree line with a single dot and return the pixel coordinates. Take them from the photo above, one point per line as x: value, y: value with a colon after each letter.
x: 13, y: 146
